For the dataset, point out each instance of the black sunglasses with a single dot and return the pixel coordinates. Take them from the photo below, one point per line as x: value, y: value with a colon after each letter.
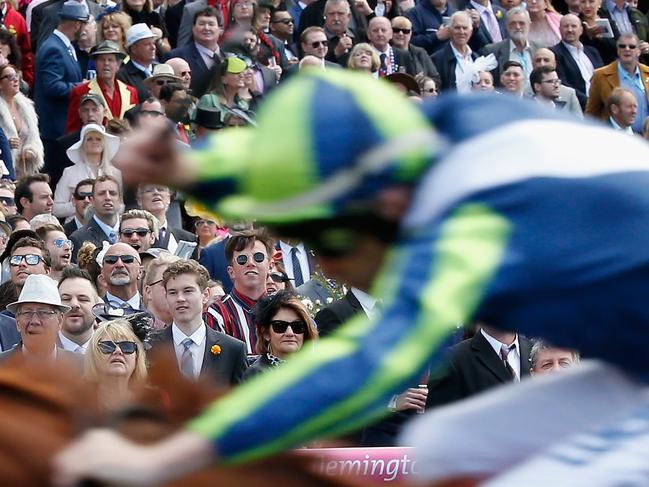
x: 82, y: 195
x: 153, y: 113
x: 258, y: 257
x: 626, y: 46
x: 283, y: 21
x: 317, y: 44
x: 108, y: 347
x: 141, y: 232
x: 398, y: 30
x: 279, y: 277
x: 31, y: 259
x: 7, y: 200
x: 112, y: 259
x: 162, y: 82
x: 280, y: 326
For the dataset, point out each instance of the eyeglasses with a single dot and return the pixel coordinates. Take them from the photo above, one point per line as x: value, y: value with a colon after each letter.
x: 399, y: 30
x: 279, y: 277
x: 141, y: 232
x: 283, y: 21
x: 107, y: 347
x: 280, y: 326
x: 626, y: 46
x: 6, y: 200
x: 10, y: 77
x: 31, y: 259
x: 258, y: 257
x: 60, y: 242
x: 555, y: 81
x: 162, y: 82
x: 82, y: 195
x: 430, y: 90
x: 152, y: 113
x: 200, y: 223
x: 316, y: 44
x: 42, y: 314
x: 112, y: 259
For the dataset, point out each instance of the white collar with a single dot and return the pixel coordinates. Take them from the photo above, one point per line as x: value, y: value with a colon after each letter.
x: 197, y: 337
x: 617, y: 126
x: 71, y: 346
x: 63, y: 37
x: 286, y: 248
x: 141, y: 67
x: 367, y: 301
x: 458, y: 54
x: 497, y: 345
x: 134, y: 301
x: 513, y: 48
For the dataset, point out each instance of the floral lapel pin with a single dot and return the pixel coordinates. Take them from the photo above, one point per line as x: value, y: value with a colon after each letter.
x: 216, y: 350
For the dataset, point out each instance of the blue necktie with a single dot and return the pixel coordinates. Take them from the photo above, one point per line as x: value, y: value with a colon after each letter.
x: 298, y: 280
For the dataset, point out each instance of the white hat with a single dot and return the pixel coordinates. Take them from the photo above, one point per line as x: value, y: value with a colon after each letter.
x: 39, y: 288
x: 162, y: 71
x: 136, y: 33
x: 111, y: 143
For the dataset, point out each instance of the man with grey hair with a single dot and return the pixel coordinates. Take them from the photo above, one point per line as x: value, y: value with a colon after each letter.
x: 517, y: 47
x: 120, y: 270
x: 182, y: 70
x: 456, y: 58
x: 341, y: 38
x: 546, y: 359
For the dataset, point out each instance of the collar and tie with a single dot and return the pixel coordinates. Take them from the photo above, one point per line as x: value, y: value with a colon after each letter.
x: 161, y: 234
x: 504, y: 354
x: 187, y: 359
x: 298, y: 279
x: 112, y: 238
x: 383, y: 68
x: 72, y: 53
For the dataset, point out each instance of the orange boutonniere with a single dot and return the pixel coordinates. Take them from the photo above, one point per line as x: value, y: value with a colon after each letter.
x: 216, y: 350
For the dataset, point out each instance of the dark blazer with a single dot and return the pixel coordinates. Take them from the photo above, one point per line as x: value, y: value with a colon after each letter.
x: 179, y: 234
x: 213, y: 259
x: 200, y: 72
x: 5, y: 155
x: 135, y: 77
x: 224, y: 369
x: 56, y: 74
x: 90, y: 232
x: 50, y: 18
x: 474, y: 367
x: 9, y: 335
x: 404, y: 62
x: 481, y: 37
x: 334, y: 315
x: 172, y: 18
x: 70, y: 227
x: 60, y: 159
x: 568, y: 70
x: 445, y: 61
x: 423, y: 63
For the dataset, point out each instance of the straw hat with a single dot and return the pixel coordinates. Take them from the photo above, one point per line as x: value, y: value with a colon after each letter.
x: 42, y: 289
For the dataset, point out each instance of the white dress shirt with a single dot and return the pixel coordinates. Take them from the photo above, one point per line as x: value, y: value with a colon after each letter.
x: 70, y: 346
x: 463, y: 62
x: 206, y: 54
x: 197, y: 347
x: 617, y: 126
x: 514, y: 357
x: 134, y: 302
x: 368, y: 303
x: 586, y: 68
x: 67, y: 43
x: 301, y: 257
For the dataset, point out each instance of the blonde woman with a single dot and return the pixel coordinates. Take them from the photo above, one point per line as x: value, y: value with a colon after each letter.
x: 113, y: 27
x: 364, y: 58
x: 92, y: 156
x: 544, y: 29
x: 116, y: 363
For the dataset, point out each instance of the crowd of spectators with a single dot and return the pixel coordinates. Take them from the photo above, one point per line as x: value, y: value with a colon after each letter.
x: 81, y: 252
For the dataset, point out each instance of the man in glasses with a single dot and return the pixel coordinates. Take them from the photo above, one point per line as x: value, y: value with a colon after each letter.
x: 79, y: 293
x: 106, y: 201
x: 138, y: 228
x: 39, y: 314
x: 121, y: 270
x: 626, y: 72
x: 80, y: 200
x: 314, y: 43
x: 282, y: 27
x: 248, y: 266
x: 401, y: 35
x: 7, y: 201
x: 200, y: 351
x: 28, y: 256
x: 33, y: 196
x: 58, y: 246
x: 546, y: 86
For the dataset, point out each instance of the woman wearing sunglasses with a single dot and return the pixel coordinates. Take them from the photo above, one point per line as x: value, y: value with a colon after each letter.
x: 115, y: 362
x: 283, y: 326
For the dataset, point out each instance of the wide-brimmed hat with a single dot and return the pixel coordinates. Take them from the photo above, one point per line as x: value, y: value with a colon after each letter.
x: 405, y: 80
x: 162, y: 71
x: 111, y: 143
x: 138, y: 32
x: 73, y: 10
x: 107, y: 47
x: 42, y: 289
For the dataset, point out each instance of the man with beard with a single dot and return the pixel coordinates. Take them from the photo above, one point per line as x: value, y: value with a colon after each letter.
x: 121, y: 269
x: 78, y: 292
x: 138, y: 229
x: 116, y: 95
x: 106, y: 201
x: 59, y: 247
x: 175, y: 102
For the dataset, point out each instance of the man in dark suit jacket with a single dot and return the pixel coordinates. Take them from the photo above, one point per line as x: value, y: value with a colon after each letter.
x: 203, y: 53
x: 9, y: 335
x: 200, y: 351
x: 475, y: 366
x: 483, y: 34
x: 379, y: 34
x: 140, y: 44
x: 50, y: 14
x: 57, y: 72
x: 445, y: 59
x: 330, y: 318
x: 565, y: 53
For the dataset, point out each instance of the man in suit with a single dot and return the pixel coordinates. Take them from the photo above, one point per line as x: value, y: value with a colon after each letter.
x: 156, y: 200
x: 576, y: 63
x: 39, y: 308
x: 429, y: 24
x: 546, y: 86
x: 203, y: 53
x: 626, y: 72
x: 456, y: 57
x: 140, y: 44
x: 50, y: 13
x: 516, y: 47
x: 392, y: 59
x: 491, y: 23
x: 625, y: 19
x: 78, y: 292
x: 623, y: 108
x: 121, y: 271
x: 106, y: 201
x: 57, y: 73
x: 138, y: 228
x: 401, y: 35
x: 330, y: 318
x: 296, y: 257
x: 200, y: 351
x: 491, y: 358
x: 9, y: 335
x: 80, y: 200
x: 341, y: 38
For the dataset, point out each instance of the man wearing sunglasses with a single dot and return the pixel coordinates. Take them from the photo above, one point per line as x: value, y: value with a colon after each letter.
x: 195, y: 344
x: 80, y: 199
x: 58, y: 246
x: 138, y: 229
x: 28, y: 256
x: 401, y: 35
x: 282, y: 27
x: 314, y: 43
x: 121, y: 270
x: 248, y: 266
x: 7, y: 201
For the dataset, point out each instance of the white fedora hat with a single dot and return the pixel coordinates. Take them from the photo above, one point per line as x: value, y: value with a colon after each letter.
x: 111, y: 143
x: 136, y: 33
x: 39, y: 288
